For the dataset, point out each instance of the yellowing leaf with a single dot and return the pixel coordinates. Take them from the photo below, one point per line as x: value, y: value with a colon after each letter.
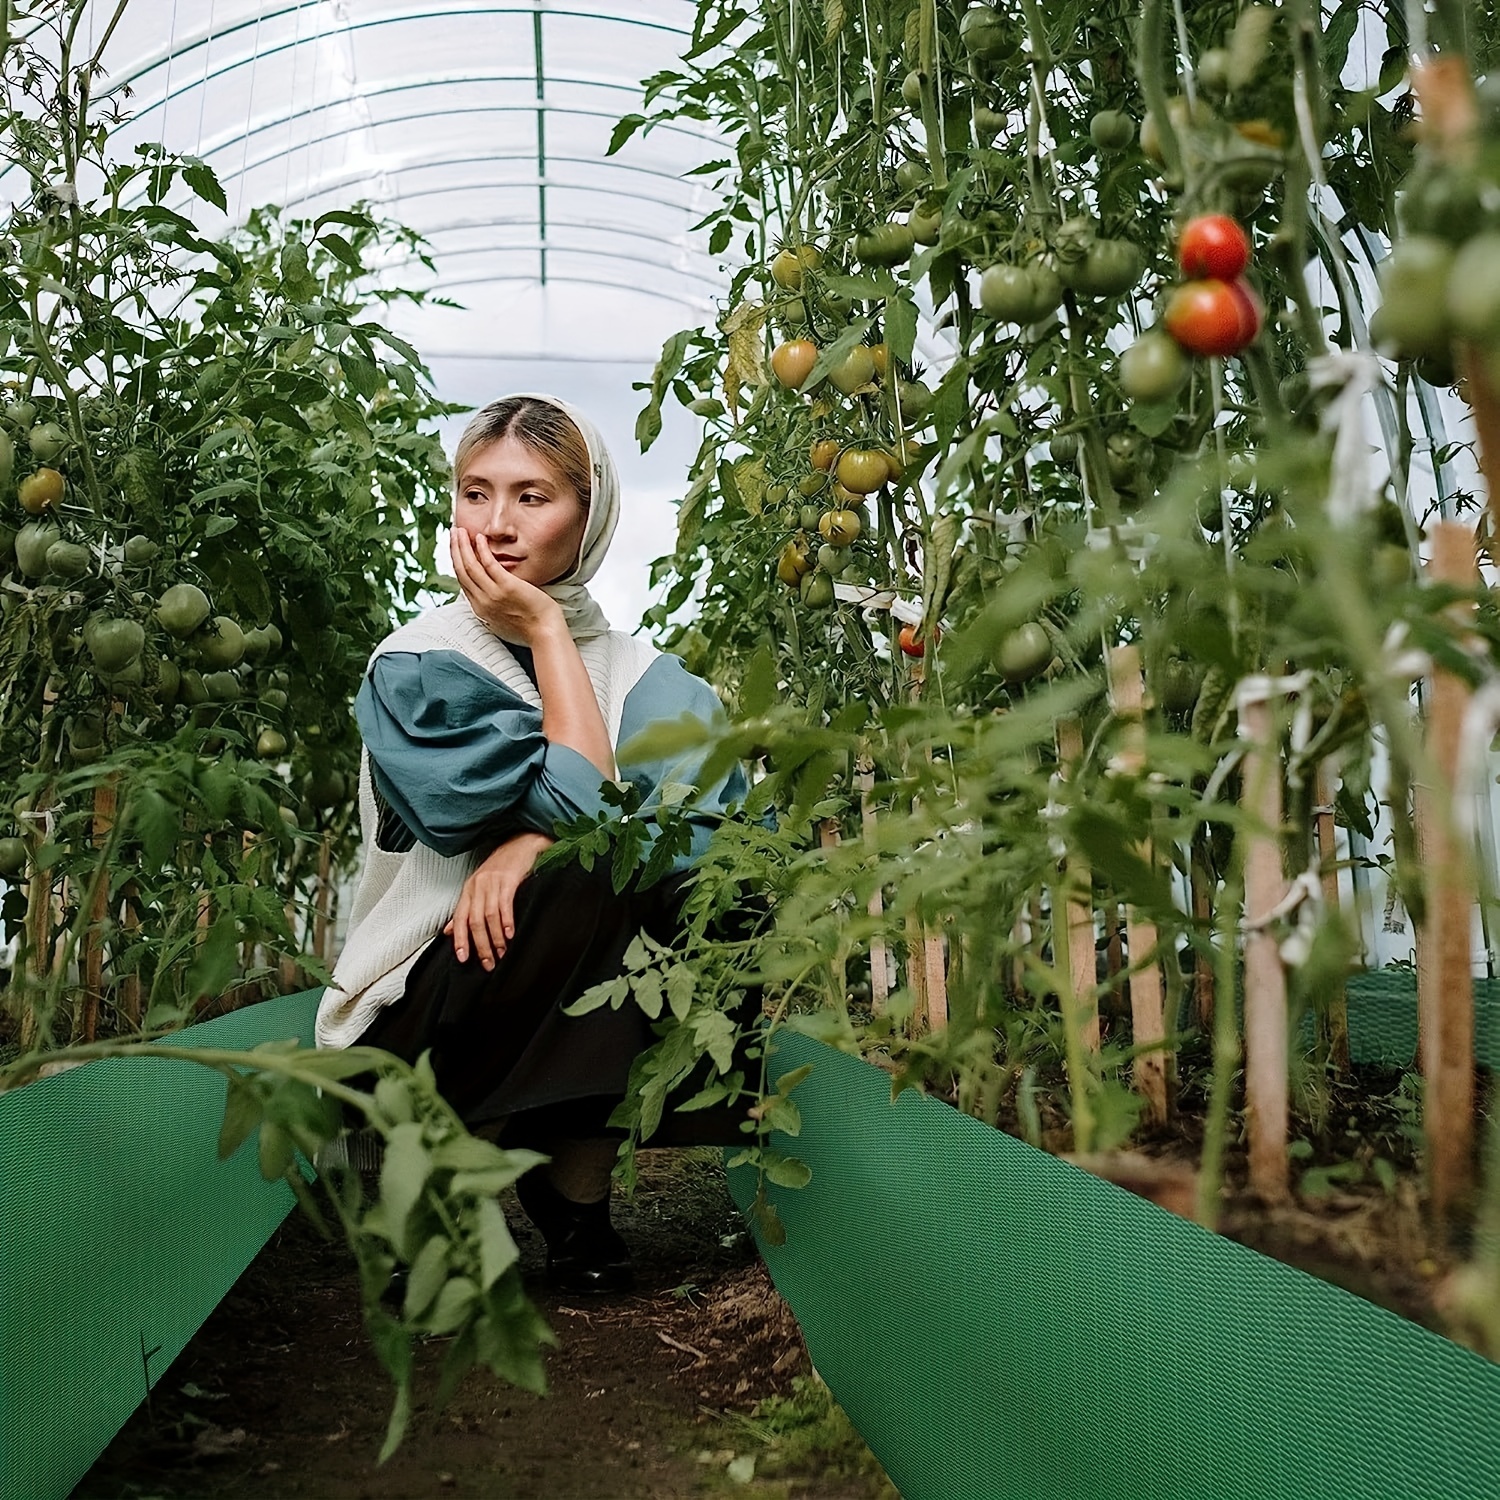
x: 746, y: 364
x: 750, y: 476
x: 834, y: 16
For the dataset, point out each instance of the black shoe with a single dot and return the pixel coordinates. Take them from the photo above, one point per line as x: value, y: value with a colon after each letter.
x: 585, y: 1254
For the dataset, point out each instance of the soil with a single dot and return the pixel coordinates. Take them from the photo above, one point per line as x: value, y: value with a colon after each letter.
x: 280, y: 1393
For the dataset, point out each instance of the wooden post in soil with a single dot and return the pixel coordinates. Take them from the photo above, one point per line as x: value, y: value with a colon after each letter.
x: 1445, y: 976
x: 1082, y: 1014
x: 1338, y: 1001
x: 880, y: 973
x: 935, y: 979
x: 1128, y: 695
x: 1266, y: 1082
x: 93, y: 937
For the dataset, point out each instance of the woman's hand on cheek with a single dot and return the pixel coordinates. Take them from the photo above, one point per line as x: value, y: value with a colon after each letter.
x: 484, y: 920
x: 508, y: 605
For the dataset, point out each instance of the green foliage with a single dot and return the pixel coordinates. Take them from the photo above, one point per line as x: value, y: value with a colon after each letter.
x: 433, y: 1211
x: 234, y: 419
x: 1227, y: 530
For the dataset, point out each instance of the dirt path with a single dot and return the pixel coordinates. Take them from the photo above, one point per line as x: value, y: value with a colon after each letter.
x: 280, y: 1395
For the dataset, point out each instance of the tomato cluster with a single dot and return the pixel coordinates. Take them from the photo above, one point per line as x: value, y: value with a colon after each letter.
x: 1440, y: 285
x: 1216, y: 312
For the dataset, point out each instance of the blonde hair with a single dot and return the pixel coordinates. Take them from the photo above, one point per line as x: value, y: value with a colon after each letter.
x: 546, y: 429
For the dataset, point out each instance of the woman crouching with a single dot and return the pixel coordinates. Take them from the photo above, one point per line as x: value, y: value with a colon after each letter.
x: 486, y: 722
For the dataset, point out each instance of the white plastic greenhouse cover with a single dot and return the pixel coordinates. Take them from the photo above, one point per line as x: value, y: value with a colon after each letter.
x: 484, y: 127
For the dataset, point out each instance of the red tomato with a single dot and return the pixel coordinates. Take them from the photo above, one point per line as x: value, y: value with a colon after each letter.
x: 1213, y: 316
x: 1252, y: 309
x: 1213, y: 245
x: 913, y: 644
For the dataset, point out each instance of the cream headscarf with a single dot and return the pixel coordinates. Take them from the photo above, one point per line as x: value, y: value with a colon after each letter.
x: 581, y: 611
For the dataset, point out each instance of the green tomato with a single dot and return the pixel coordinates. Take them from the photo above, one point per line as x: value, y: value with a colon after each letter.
x: 222, y: 687
x: 1074, y: 237
x: 1063, y: 447
x: 986, y: 34
x: 1112, y: 130
x: 1213, y: 71
x: 69, y: 560
x: 1023, y: 653
x: 911, y: 90
x: 1007, y: 293
x: 12, y: 857
x: 113, y: 643
x: 46, y: 441
x: 926, y: 224
x: 1444, y: 201
x: 817, y: 589
x: 1046, y: 290
x: 1109, y: 268
x: 224, y: 644
x: 182, y: 609
x: 1474, y: 290
x: 1153, y: 368
x: 886, y: 245
x: 911, y: 177
x: 988, y: 123
x: 33, y: 541
x: 1414, y: 310
x: 1126, y: 454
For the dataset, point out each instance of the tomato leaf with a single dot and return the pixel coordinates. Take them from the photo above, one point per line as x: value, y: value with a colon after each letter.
x: 342, y: 250
x: 625, y: 127
x: 200, y: 177
x: 901, y: 327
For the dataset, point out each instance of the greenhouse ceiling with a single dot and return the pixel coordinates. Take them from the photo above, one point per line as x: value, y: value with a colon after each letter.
x: 482, y: 126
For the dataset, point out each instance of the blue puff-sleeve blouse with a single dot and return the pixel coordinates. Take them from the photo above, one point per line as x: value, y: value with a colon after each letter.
x: 459, y: 760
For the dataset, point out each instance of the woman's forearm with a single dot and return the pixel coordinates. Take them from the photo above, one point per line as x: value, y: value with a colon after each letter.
x: 570, y: 711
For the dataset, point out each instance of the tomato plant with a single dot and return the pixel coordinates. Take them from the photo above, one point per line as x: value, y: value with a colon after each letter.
x: 220, y: 494
x: 1073, y: 493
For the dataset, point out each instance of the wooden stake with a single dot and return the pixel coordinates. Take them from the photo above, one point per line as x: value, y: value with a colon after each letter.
x: 916, y: 972
x: 935, y: 979
x: 1266, y: 1084
x: 1078, y: 916
x: 1445, y: 977
x: 1338, y: 1002
x: 880, y: 973
x: 1128, y: 694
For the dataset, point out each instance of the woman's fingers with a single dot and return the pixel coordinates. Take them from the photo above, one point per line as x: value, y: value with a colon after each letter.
x: 459, y: 926
x: 494, y: 933
x: 484, y: 921
x: 508, y: 911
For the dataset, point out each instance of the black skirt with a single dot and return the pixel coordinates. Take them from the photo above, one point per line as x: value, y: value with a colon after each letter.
x: 501, y: 1047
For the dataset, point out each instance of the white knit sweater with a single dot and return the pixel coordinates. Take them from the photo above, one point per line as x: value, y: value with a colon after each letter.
x: 404, y: 900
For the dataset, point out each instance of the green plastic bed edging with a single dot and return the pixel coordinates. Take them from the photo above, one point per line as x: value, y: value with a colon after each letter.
x: 1002, y: 1326
x: 120, y: 1231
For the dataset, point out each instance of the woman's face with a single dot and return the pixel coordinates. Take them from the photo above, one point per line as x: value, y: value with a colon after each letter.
x: 529, y: 514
